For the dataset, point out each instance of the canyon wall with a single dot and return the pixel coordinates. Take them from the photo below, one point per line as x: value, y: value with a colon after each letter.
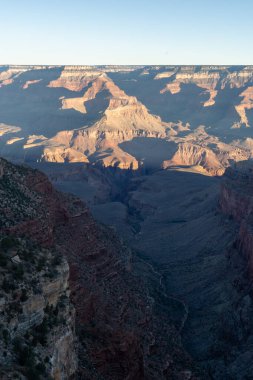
x: 37, y: 318
x: 236, y: 200
x: 123, y: 317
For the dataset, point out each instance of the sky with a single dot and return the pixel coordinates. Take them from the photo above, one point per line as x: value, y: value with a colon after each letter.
x: 137, y: 32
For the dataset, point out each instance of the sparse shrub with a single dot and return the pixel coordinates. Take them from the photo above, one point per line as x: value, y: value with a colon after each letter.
x: 14, y: 308
x: 46, y: 360
x: 3, y: 260
x: 7, y: 285
x: 19, y: 271
x: 61, y: 303
x: 41, y: 264
x: 26, y: 255
x: 57, y: 260
x: 41, y: 368
x: 24, y: 353
x: 40, y: 333
x: 52, y: 273
x: 24, y: 296
x: 6, y: 336
x: 8, y: 242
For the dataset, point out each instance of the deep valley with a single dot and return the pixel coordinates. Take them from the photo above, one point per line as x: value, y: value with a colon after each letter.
x: 150, y: 209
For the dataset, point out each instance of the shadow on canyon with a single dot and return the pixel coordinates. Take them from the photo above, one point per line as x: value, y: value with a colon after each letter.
x: 173, y: 220
x: 151, y: 151
x: 38, y: 107
x: 218, y: 119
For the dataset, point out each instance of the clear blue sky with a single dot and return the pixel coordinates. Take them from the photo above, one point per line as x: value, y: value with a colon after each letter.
x: 126, y: 32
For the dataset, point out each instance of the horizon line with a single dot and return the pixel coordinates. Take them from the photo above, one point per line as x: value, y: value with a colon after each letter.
x: 122, y: 64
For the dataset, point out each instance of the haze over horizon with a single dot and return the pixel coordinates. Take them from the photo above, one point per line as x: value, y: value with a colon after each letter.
x: 141, y: 33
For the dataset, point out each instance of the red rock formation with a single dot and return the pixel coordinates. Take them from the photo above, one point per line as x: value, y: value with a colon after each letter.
x: 236, y: 200
x: 124, y: 119
x: 124, y: 332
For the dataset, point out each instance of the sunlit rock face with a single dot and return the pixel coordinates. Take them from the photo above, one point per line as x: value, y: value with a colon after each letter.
x: 246, y: 104
x: 75, y: 78
x: 86, y: 114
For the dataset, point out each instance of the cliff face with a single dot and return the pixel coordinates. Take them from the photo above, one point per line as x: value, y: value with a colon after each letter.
x: 245, y: 104
x: 75, y: 78
x: 236, y: 200
x: 194, y: 155
x: 124, y: 119
x: 124, y: 318
x: 203, y: 79
x: 37, y: 318
x: 209, y: 78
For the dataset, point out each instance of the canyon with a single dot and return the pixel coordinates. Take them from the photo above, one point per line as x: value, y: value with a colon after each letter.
x: 156, y: 238
x: 112, y: 297
x: 95, y: 114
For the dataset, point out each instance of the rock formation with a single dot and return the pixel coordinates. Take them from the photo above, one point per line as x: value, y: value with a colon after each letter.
x: 75, y: 78
x: 203, y: 79
x: 121, y: 315
x: 246, y: 104
x: 37, y: 318
x: 236, y: 201
x: 89, y: 113
x: 123, y: 129
x: 124, y: 119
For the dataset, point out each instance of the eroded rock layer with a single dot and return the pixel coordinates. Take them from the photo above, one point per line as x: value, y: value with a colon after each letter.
x: 97, y: 114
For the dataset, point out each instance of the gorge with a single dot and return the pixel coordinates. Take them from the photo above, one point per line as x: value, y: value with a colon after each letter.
x: 149, y: 262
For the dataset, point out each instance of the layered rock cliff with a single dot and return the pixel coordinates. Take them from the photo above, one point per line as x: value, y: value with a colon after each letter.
x: 37, y: 319
x: 75, y: 78
x: 125, y: 321
x: 237, y: 201
x: 124, y: 119
x: 88, y: 113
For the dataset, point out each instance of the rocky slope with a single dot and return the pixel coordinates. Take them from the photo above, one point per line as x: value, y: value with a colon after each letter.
x: 127, y: 325
x: 237, y: 202
x: 37, y: 319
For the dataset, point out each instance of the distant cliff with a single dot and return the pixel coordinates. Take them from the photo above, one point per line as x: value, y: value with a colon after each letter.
x: 98, y: 114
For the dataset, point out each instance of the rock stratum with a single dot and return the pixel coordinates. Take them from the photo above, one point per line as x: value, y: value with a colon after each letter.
x: 96, y: 114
